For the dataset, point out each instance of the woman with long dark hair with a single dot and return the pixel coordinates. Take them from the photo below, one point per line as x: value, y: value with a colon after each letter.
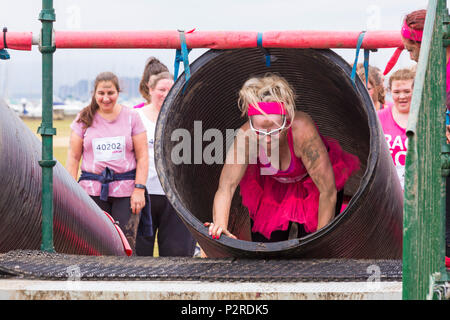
x: 111, y: 141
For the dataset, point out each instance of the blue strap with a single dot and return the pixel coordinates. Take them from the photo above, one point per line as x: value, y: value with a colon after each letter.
x: 145, y: 227
x: 182, y: 54
x: 106, y: 177
x: 259, y: 42
x: 366, y: 59
x: 447, y: 117
x: 4, y: 55
x: 366, y: 64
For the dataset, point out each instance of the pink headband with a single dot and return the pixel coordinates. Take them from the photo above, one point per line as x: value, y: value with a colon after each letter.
x: 268, y: 108
x: 408, y: 33
x: 411, y: 34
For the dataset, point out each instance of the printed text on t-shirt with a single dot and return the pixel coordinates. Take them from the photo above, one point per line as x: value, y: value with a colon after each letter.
x: 397, y: 148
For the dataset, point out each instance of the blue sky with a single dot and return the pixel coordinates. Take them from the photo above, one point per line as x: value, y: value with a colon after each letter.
x: 23, y: 71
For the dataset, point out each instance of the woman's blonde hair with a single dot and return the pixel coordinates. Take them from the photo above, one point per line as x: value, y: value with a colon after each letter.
x: 401, y: 74
x: 375, y: 80
x: 154, y: 79
x: 268, y: 88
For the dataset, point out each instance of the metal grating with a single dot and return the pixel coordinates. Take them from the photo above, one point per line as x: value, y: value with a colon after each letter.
x: 55, y: 266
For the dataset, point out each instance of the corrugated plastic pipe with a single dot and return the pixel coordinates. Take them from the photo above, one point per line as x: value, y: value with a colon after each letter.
x: 371, y: 224
x: 80, y: 226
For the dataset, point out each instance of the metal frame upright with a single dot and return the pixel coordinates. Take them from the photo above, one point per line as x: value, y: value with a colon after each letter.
x: 427, y: 165
x: 47, y: 48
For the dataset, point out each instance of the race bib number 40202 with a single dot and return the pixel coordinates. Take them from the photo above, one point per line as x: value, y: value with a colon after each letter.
x: 110, y: 148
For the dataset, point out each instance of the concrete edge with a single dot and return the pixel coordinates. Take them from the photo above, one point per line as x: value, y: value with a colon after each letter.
x: 19, y: 289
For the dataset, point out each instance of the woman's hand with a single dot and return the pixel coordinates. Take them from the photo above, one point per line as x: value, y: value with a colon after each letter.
x: 137, y: 200
x: 215, y: 230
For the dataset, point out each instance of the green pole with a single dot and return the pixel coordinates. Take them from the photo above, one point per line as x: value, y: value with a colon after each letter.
x: 47, y: 48
x: 424, y: 204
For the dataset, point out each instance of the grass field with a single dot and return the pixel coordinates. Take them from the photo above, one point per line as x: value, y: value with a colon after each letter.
x: 61, y: 143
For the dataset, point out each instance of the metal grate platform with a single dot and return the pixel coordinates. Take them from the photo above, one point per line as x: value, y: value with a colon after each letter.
x: 54, y: 266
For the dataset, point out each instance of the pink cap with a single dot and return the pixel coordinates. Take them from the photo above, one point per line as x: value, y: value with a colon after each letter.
x: 268, y: 108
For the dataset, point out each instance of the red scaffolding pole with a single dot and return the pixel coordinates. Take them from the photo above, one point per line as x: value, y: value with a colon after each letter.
x: 206, y: 39
x: 17, y: 40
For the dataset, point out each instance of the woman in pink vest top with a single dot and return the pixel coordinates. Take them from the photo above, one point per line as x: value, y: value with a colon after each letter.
x: 290, y: 177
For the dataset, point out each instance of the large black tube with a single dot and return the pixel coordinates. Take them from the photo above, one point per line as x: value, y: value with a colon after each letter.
x: 80, y: 226
x: 370, y: 226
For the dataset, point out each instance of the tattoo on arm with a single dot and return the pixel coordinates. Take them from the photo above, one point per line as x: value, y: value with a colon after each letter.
x: 312, y: 156
x: 311, y: 153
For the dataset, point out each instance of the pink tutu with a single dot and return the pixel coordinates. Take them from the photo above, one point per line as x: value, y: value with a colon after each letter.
x: 272, y: 204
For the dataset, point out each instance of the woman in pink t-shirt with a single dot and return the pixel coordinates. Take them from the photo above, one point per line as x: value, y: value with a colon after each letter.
x: 111, y: 141
x: 394, y: 119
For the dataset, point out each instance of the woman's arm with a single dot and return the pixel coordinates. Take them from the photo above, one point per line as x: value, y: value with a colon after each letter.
x: 232, y: 173
x: 311, y: 149
x: 74, y: 154
x: 140, y: 145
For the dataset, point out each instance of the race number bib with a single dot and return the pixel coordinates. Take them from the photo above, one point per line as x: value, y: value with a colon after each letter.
x: 107, y: 149
x: 401, y: 175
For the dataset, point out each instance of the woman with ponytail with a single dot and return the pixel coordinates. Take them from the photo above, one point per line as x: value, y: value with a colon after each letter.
x: 152, y: 67
x: 174, y: 238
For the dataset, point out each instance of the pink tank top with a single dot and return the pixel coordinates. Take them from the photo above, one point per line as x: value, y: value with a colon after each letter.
x: 294, y: 173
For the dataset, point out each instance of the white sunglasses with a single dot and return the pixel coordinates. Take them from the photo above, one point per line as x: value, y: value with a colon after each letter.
x: 268, y: 133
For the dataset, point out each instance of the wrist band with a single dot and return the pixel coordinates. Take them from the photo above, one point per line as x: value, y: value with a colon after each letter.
x: 139, y: 186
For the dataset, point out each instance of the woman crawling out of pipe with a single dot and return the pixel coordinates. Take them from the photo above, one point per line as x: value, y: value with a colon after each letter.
x: 292, y: 181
